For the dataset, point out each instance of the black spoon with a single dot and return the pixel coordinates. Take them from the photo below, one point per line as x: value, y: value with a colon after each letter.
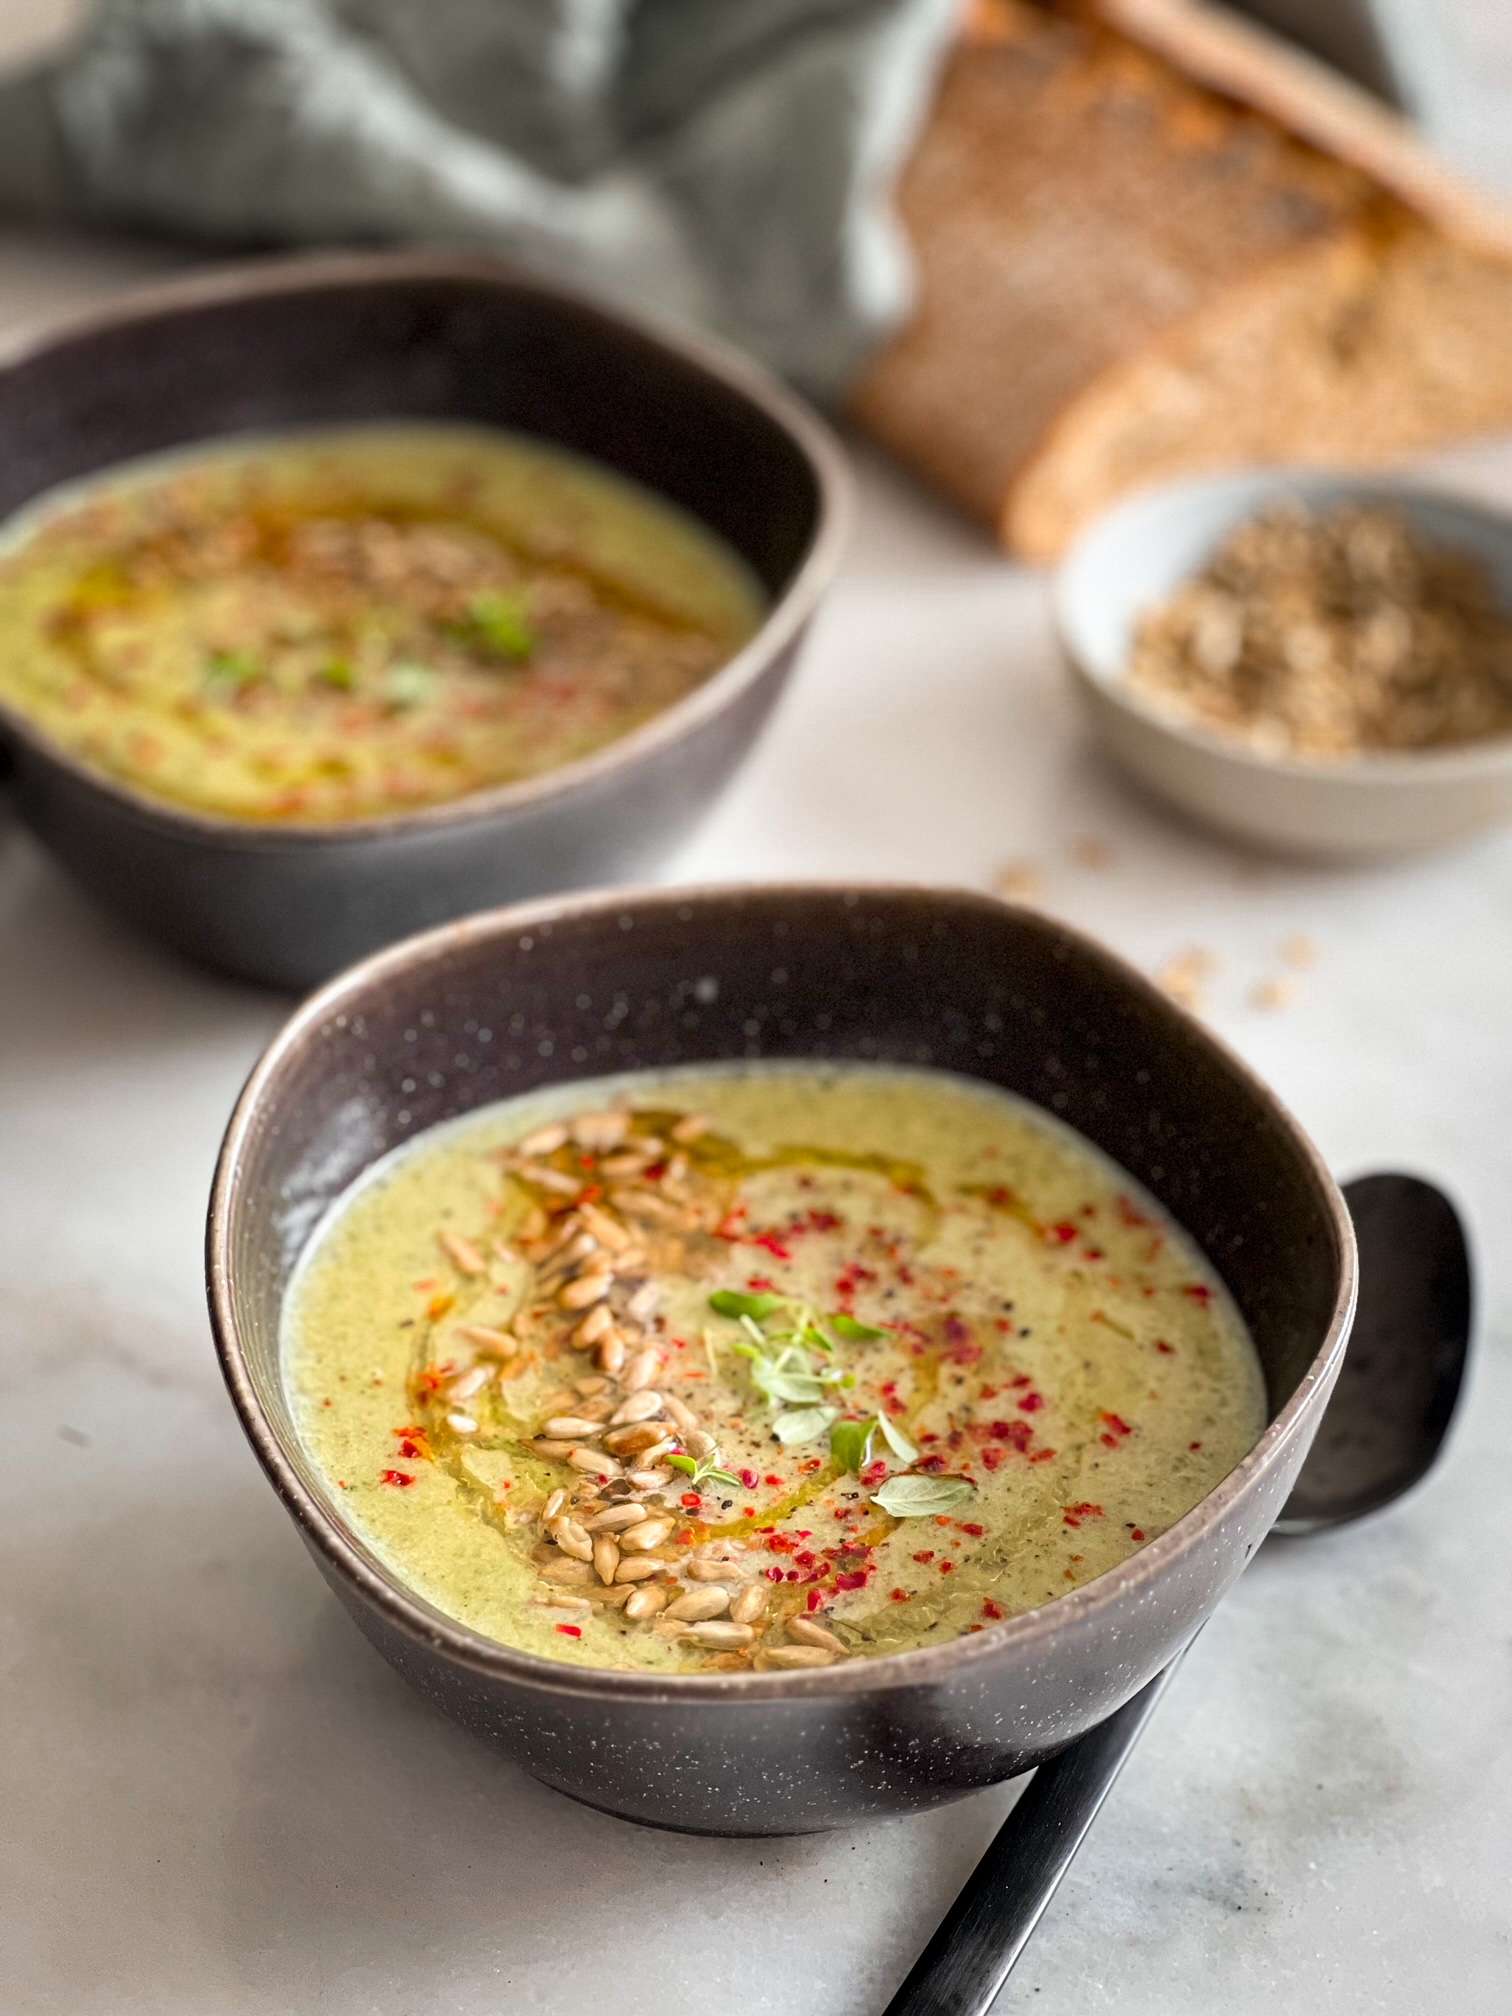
x: 1384, y: 1429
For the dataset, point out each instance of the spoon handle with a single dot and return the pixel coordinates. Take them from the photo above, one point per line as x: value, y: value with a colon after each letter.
x: 965, y: 1964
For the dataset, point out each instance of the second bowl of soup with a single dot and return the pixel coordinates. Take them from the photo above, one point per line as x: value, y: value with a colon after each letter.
x: 341, y: 595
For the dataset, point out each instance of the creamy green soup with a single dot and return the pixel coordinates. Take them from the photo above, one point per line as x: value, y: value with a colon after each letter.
x: 761, y: 1367
x: 331, y: 626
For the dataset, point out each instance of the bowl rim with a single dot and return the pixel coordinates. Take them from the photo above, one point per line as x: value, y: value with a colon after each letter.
x: 359, y: 1566
x: 735, y: 374
x: 1250, y: 488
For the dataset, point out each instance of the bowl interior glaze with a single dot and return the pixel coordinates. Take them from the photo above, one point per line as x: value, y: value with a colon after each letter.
x: 497, y: 1004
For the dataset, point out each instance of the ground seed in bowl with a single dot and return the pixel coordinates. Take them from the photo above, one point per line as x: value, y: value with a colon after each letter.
x: 917, y: 1358
x: 1333, y: 634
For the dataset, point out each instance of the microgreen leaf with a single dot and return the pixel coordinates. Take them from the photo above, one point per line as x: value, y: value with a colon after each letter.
x: 706, y: 1471
x: 798, y: 1389
x: 897, y: 1441
x: 852, y: 1331
x: 407, y: 684
x: 802, y: 1424
x: 850, y: 1442
x: 732, y: 1302
x: 498, y: 622
x: 234, y: 669
x: 916, y: 1497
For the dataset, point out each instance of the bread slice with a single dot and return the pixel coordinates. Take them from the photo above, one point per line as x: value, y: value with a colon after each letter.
x: 1151, y: 243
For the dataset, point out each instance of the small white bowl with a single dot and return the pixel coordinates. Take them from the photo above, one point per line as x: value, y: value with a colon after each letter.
x: 1138, y: 553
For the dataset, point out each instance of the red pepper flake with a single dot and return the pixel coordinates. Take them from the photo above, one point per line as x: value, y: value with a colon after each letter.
x: 1117, y: 1424
x: 991, y: 1457
x: 400, y: 1479
x: 1093, y: 1253
x: 926, y: 1557
x: 772, y: 1574
x: 690, y: 1501
x: 570, y: 1630
x: 1166, y: 1350
x: 1194, y: 1447
x: 1199, y: 1292
x: 899, y: 1596
x: 1031, y: 1403
x: 1136, y: 1533
x: 1062, y: 1234
x: 947, y: 1567
x: 770, y: 1243
x: 438, y: 1306
x: 930, y: 1464
x: 760, y: 1284
x: 852, y: 1580
x: 970, y: 1526
x: 1043, y: 1456
x: 1019, y: 1380
x: 992, y: 1610
x: 771, y: 1480
x: 750, y: 1479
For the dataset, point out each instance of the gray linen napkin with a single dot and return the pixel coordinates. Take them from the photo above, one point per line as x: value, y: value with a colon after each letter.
x: 725, y: 161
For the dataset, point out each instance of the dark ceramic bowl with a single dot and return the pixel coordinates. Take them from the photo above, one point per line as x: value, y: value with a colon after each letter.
x: 547, y: 992
x: 390, y: 335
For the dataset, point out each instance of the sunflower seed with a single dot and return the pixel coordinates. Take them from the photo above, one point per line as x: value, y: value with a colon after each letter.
x: 560, y: 1604
x: 608, y: 1231
x: 637, y: 1436
x: 571, y: 1428
x: 650, y: 1480
x: 571, y: 1571
x: 645, y: 1603
x: 681, y: 1416
x: 641, y: 1369
x: 606, y: 1557
x: 793, y: 1656
x: 642, y: 1303
x: 646, y: 1204
x: 590, y: 1287
x: 646, y: 1534
x: 749, y: 1604
x: 461, y: 1424
x: 571, y: 1538
x: 549, y: 1179
x: 600, y: 1318
x: 544, y: 1141
x: 615, y: 1518
x: 706, y: 1571
x: 611, y: 1353
x: 473, y: 1380
x: 543, y: 1445
x: 492, y: 1343
x: 462, y: 1253
x: 598, y: 1132
x: 589, y: 1387
x: 641, y: 1406
x: 654, y: 1452
x: 641, y: 1569
x: 553, y: 1505
x: 614, y: 1597
x: 720, y: 1637
x: 594, y: 1462
x: 689, y: 1128
x: 809, y: 1633
x: 698, y: 1604
x: 701, y: 1443
x: 629, y: 1163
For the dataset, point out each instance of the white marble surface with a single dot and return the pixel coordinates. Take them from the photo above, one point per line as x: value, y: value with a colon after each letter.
x: 218, y: 1802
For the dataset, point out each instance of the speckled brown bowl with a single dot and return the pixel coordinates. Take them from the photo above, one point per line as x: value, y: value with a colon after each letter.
x: 547, y: 992
x: 390, y: 335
